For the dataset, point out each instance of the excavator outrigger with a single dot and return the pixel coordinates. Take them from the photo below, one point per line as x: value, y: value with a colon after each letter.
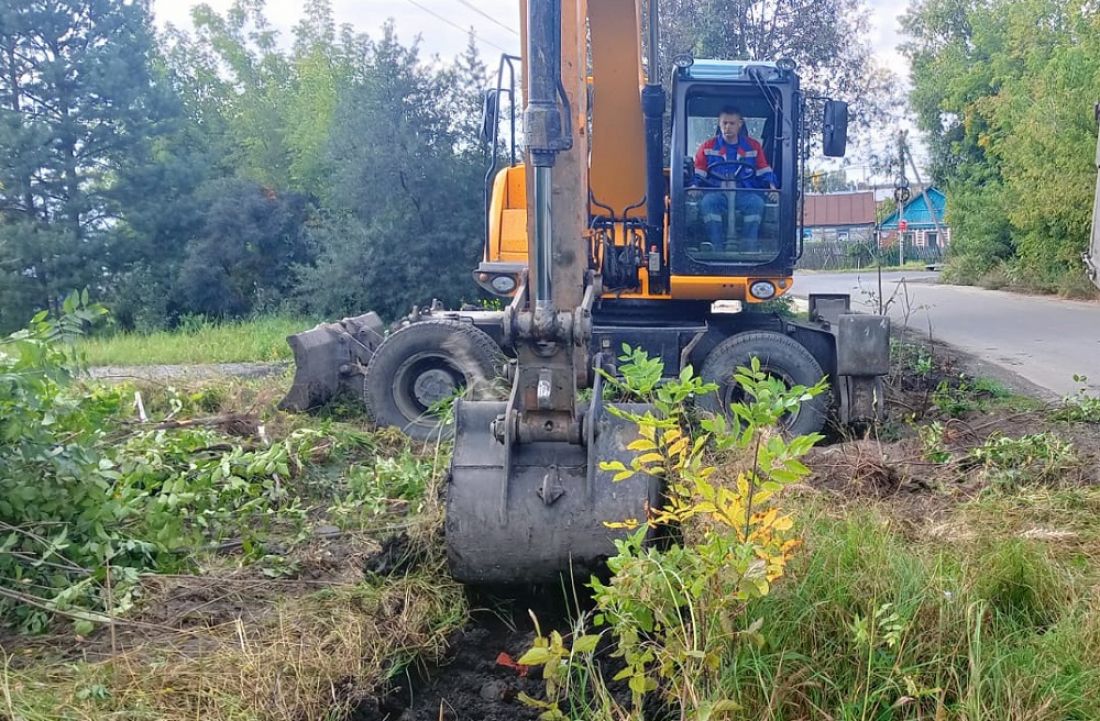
x: 597, y: 243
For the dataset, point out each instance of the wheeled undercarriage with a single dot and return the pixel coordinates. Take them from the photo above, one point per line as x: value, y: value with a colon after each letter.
x: 433, y: 353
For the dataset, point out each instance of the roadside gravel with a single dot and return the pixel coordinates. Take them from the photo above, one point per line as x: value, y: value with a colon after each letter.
x: 167, y: 373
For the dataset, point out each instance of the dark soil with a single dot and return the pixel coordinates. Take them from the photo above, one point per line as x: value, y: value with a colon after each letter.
x: 479, y: 680
x: 890, y: 462
x: 398, y: 554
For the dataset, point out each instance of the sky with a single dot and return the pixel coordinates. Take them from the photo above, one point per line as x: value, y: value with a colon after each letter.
x: 443, y: 25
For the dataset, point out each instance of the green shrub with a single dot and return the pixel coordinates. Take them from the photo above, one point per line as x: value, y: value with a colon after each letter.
x: 1033, y: 458
x: 87, y: 503
x: 671, y: 609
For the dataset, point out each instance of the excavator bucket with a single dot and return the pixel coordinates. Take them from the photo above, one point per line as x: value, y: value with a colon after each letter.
x: 330, y: 358
x: 523, y: 513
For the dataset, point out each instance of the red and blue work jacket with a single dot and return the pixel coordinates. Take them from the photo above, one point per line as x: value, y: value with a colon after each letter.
x: 717, y: 150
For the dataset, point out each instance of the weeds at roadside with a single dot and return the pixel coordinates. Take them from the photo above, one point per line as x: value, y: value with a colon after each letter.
x: 964, y: 395
x: 1082, y: 407
x: 1007, y: 463
x: 1004, y: 463
x: 926, y: 385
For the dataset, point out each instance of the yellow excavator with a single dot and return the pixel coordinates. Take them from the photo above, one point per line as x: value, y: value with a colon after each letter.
x: 616, y: 229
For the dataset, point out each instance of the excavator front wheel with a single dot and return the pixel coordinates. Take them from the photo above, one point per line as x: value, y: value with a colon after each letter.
x: 781, y: 357
x: 423, y: 365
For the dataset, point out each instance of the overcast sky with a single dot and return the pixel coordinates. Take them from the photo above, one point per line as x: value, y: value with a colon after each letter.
x: 443, y: 25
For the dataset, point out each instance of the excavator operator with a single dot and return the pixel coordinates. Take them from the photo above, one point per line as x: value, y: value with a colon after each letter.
x: 734, y: 158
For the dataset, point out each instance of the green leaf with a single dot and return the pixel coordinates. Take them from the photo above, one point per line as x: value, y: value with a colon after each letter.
x: 639, y: 684
x: 586, y: 644
x: 535, y: 657
x: 530, y: 701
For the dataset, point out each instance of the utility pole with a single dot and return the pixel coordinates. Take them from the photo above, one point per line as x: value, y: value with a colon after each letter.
x: 923, y: 188
x: 901, y: 196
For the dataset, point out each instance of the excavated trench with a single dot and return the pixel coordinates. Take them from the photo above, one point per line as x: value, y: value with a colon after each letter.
x: 479, y: 679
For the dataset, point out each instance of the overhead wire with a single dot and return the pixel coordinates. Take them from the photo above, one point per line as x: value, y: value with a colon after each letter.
x: 488, y: 17
x: 453, y: 24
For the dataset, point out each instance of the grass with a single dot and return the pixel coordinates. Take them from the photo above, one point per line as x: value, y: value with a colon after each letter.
x: 983, y: 622
x: 888, y: 267
x: 257, y: 340
x: 312, y: 658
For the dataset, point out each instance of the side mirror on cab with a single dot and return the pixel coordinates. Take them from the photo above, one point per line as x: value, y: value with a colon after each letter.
x: 835, y: 141
x: 489, y: 116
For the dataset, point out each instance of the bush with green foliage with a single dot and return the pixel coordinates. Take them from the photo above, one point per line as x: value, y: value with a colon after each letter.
x: 88, y: 500
x: 1081, y: 407
x: 1008, y: 113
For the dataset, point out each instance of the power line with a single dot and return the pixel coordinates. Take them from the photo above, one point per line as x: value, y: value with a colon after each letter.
x: 487, y: 16
x: 439, y: 17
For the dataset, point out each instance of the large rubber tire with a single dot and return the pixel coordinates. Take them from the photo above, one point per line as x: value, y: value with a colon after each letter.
x: 780, y: 356
x: 426, y: 362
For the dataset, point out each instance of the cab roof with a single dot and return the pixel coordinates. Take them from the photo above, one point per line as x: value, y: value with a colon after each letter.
x: 730, y: 70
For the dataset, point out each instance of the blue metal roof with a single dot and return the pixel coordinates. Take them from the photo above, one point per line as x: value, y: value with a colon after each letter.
x: 916, y: 212
x: 723, y: 69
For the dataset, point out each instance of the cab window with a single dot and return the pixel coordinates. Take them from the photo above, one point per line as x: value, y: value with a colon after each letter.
x: 732, y: 209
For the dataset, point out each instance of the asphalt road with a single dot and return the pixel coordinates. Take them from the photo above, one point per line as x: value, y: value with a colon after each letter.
x: 1042, y: 339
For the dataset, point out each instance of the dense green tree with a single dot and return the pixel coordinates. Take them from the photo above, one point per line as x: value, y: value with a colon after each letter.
x: 464, y: 85
x: 271, y: 111
x: 405, y: 218
x: 1008, y: 114
x: 827, y: 40
x: 78, y: 103
x: 241, y: 260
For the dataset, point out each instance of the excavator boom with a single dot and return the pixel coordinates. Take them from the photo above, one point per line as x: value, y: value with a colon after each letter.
x: 526, y: 497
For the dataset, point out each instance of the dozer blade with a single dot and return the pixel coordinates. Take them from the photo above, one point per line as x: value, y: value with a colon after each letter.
x: 528, y: 513
x: 330, y: 358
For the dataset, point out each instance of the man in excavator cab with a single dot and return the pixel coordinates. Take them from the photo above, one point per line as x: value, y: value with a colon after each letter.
x: 732, y: 159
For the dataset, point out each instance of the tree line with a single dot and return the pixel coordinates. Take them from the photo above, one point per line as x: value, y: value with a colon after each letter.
x: 219, y: 173
x: 1004, y: 91
x: 226, y: 171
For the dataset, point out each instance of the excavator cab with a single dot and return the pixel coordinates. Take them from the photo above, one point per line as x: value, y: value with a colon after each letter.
x: 724, y: 218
